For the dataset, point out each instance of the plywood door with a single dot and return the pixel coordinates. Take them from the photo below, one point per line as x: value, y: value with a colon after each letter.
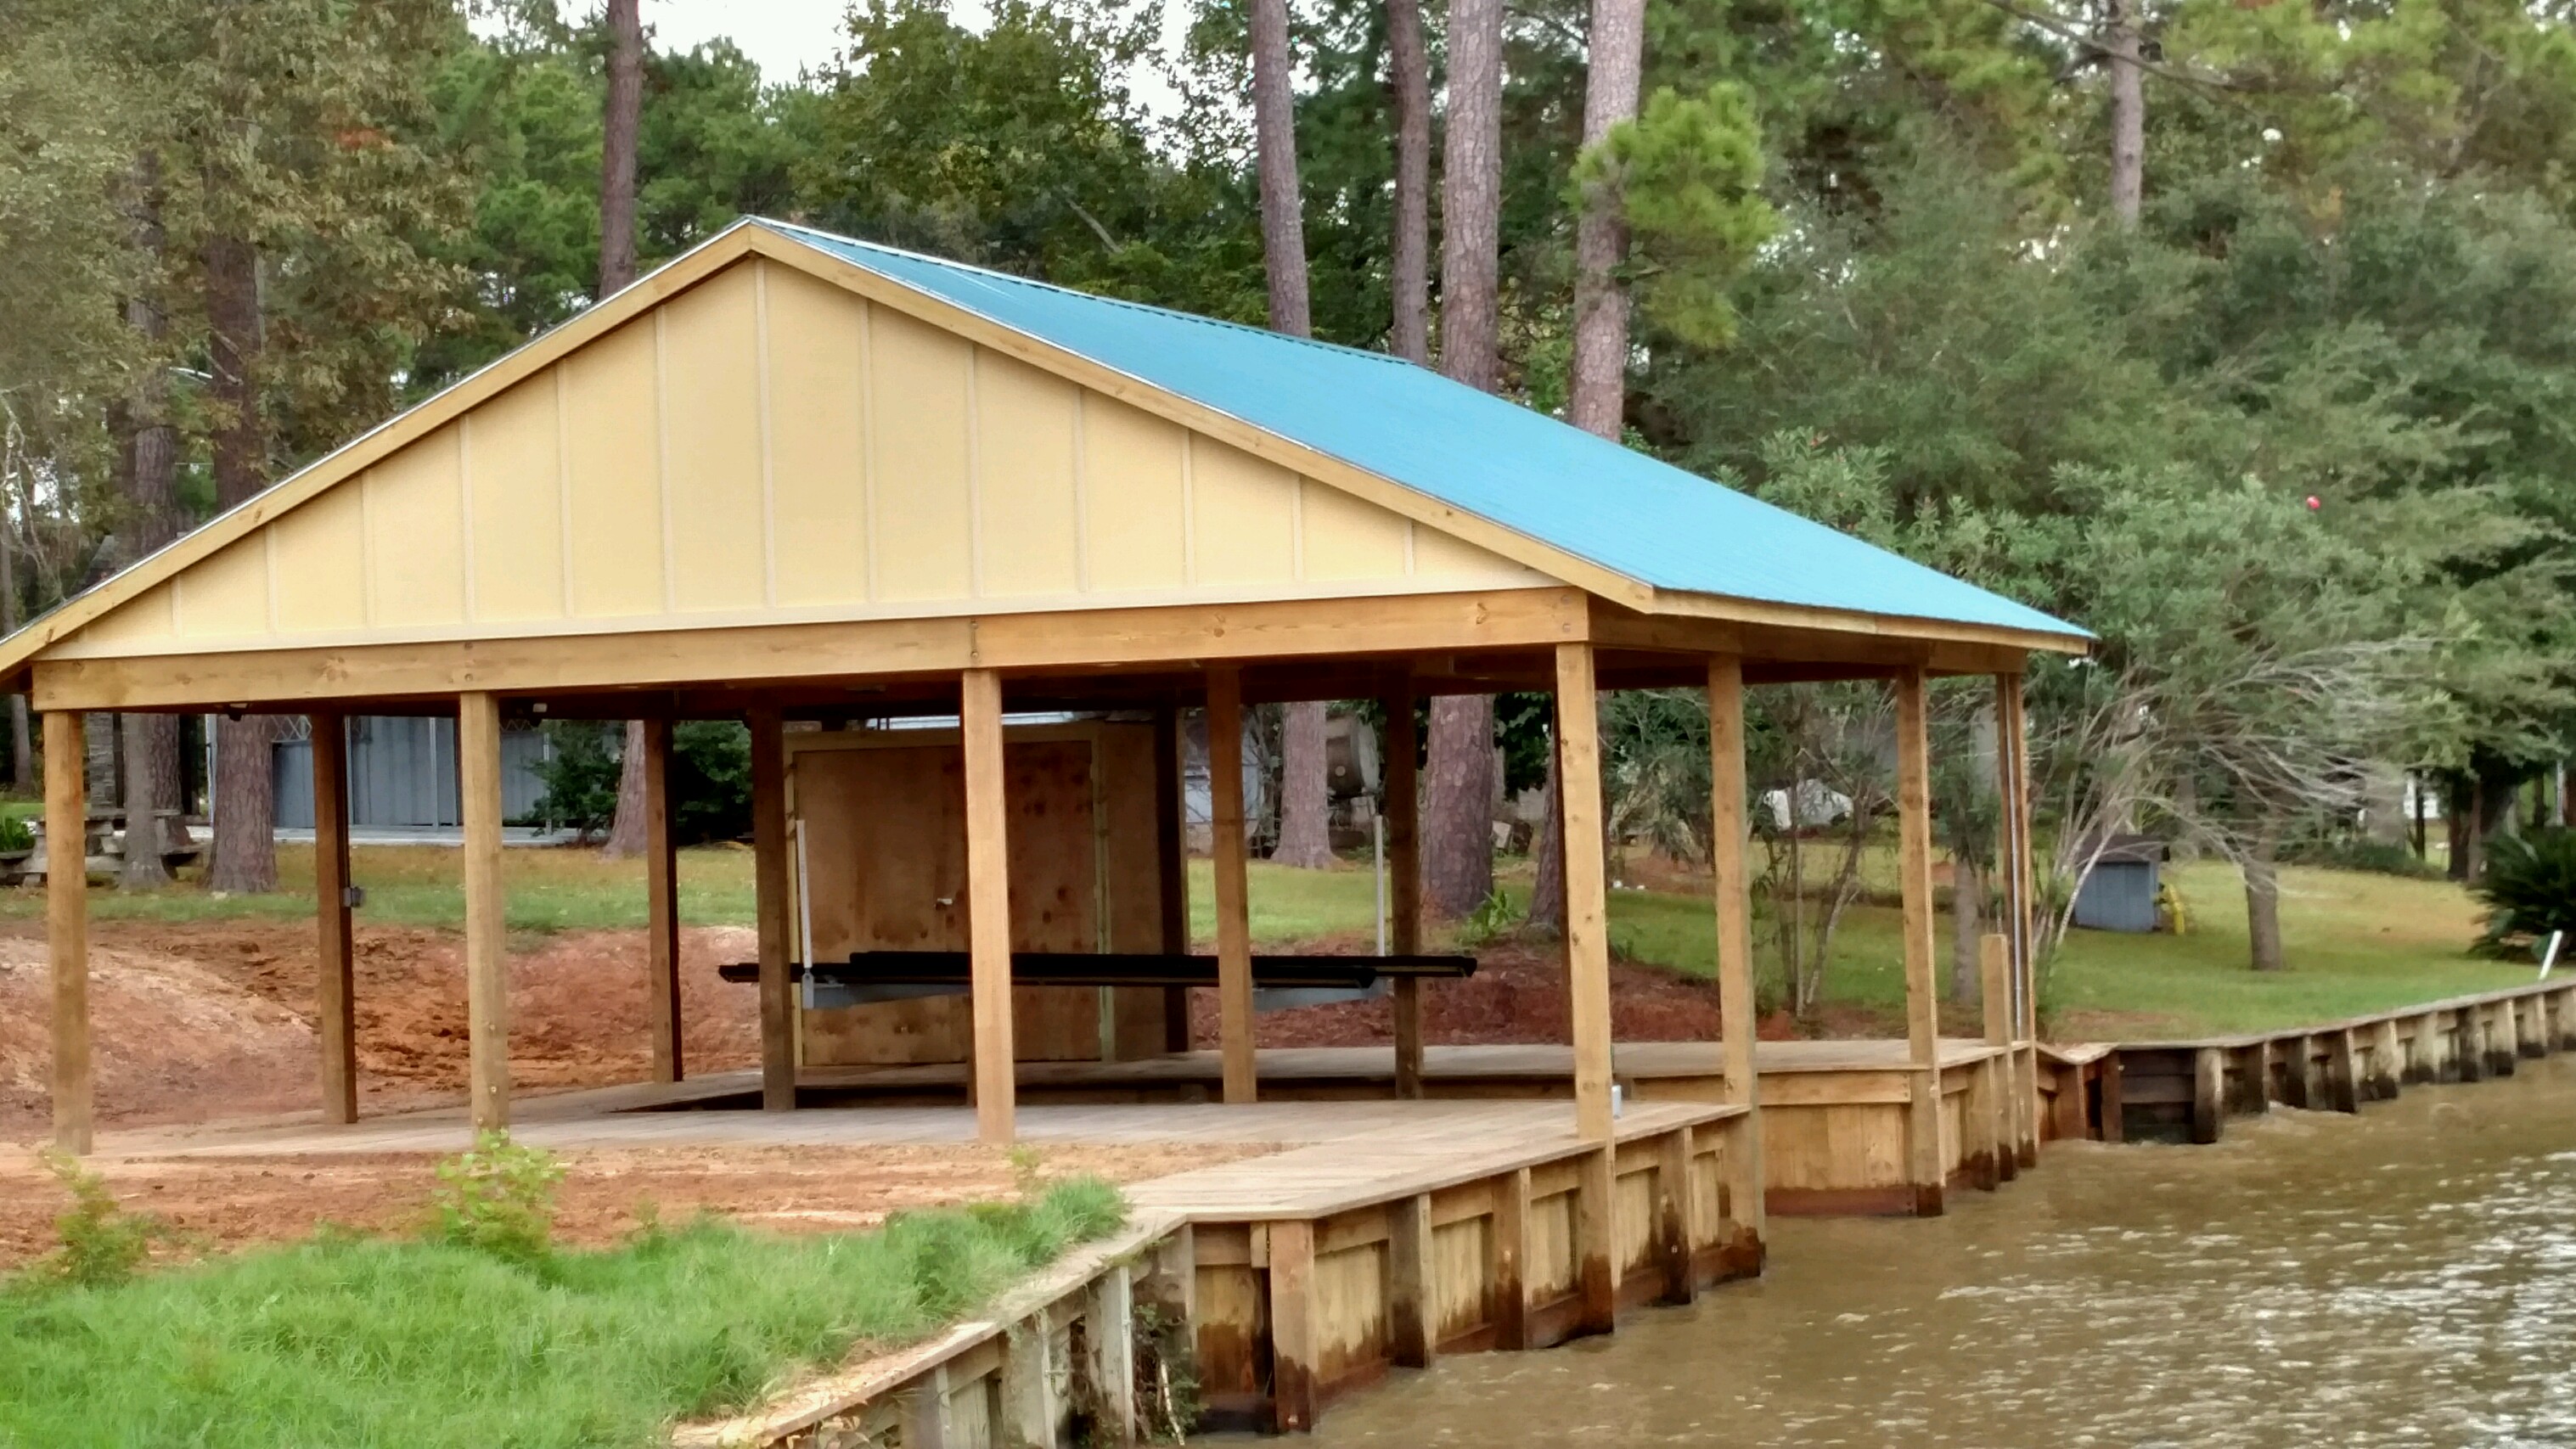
x: 885, y: 851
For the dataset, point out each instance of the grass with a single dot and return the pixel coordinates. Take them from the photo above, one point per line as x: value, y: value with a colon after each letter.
x: 2356, y: 942
x: 356, y: 1343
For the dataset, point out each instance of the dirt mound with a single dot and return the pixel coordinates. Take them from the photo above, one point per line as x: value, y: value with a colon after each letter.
x: 215, y: 1019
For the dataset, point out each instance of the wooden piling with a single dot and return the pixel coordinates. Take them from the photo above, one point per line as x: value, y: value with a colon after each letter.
x: 1508, y: 1257
x: 1292, y: 1324
x: 2343, y: 1078
x: 2208, y: 1089
x: 1676, y: 1209
x: 2387, y: 1060
x: 1596, y: 1244
x: 1410, y: 1306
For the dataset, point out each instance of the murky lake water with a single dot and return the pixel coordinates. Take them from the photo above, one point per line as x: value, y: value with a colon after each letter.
x: 2407, y: 1278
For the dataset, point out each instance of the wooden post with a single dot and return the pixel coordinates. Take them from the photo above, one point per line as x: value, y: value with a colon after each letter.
x: 2504, y: 1039
x: 67, y: 923
x: 1172, y: 858
x: 1410, y: 1306
x: 1507, y: 1261
x: 1292, y: 1323
x: 2254, y: 1077
x: 1731, y: 888
x: 769, y: 908
x: 1925, y: 1155
x: 661, y: 906
x: 2114, y: 1126
x: 335, y: 1010
x: 1994, y: 995
x: 1233, y: 896
x: 1404, y: 880
x: 1596, y: 1241
x: 1111, y: 1344
x: 2012, y: 741
x: 487, y: 934
x: 926, y: 1419
x: 988, y: 909
x: 1677, y: 1214
x: 2469, y: 1045
x: 1587, y: 926
x: 2208, y: 1093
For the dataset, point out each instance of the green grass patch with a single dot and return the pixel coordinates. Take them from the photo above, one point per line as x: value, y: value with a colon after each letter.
x: 350, y: 1343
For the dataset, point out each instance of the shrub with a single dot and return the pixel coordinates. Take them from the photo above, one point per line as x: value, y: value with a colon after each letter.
x: 580, y: 775
x: 499, y: 1199
x: 101, y: 1243
x: 2380, y: 857
x: 2529, y: 887
x: 710, y: 778
x: 16, y: 833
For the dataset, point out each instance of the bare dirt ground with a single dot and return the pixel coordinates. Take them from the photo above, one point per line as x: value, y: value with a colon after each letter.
x: 214, y: 1204
x: 215, y: 1019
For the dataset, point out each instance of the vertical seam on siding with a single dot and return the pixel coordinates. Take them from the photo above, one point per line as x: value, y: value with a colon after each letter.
x: 768, y: 465
x: 367, y: 609
x: 465, y: 508
x: 868, y: 446
x: 1189, y: 508
x: 662, y: 460
x: 563, y: 482
x: 1081, y: 497
x: 974, y: 475
x: 1297, y: 527
x: 268, y: 565
x: 1409, y: 565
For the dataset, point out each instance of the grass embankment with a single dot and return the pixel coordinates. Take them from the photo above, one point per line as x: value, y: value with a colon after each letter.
x: 2356, y: 942
x: 426, y: 1344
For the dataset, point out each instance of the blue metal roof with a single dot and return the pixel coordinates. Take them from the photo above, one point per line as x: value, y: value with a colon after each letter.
x: 1544, y: 479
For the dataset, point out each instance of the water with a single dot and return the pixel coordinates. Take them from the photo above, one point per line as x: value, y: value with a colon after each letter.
x: 2404, y: 1278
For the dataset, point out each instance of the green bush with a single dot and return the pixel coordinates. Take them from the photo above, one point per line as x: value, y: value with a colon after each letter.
x: 16, y: 833
x: 2380, y: 857
x: 710, y: 778
x: 2529, y: 888
x: 101, y: 1243
x: 499, y: 1198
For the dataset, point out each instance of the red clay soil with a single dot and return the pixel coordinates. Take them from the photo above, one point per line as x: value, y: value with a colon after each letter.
x: 207, y: 1020
x: 1518, y: 994
x: 211, y: 1204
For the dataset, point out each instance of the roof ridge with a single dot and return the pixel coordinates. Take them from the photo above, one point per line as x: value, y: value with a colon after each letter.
x: 1176, y: 314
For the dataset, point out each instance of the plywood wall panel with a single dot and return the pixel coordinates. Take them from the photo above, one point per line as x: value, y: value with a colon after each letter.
x: 513, y: 455
x: 919, y: 394
x: 140, y: 624
x: 713, y: 463
x: 1135, y: 516
x: 1347, y: 539
x: 321, y: 563
x: 1439, y: 557
x: 1243, y: 518
x: 613, y: 472
x: 1026, y: 449
x: 226, y: 597
x: 416, y: 535
x: 817, y: 451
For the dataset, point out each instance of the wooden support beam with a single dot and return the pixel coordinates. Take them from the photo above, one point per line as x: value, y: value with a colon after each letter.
x: 1731, y: 890
x: 1507, y: 1261
x: 769, y: 908
x: 335, y: 1007
x: 1402, y: 792
x: 1587, y: 925
x: 1677, y: 1214
x: 2012, y: 744
x: 1172, y: 861
x: 2208, y: 1093
x: 1925, y: 1154
x: 67, y: 923
x: 988, y: 908
x: 1233, y: 898
x: 1411, y: 1308
x: 661, y: 906
x: 487, y: 934
x: 1293, y: 1344
x: 1596, y: 1243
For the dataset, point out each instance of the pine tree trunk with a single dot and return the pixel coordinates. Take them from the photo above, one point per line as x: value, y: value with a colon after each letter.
x: 245, y: 848
x: 152, y: 520
x: 1457, y: 814
x: 2263, y: 900
x: 1409, y: 255
x: 1967, y: 926
x: 622, y: 119
x: 1598, y: 388
x: 1457, y: 841
x: 1547, y: 878
x: 2128, y: 110
x: 1305, y: 790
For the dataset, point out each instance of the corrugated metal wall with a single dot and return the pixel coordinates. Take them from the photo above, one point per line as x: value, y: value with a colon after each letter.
x: 402, y: 772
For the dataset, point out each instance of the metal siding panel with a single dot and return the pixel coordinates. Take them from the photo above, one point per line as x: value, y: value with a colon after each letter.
x: 291, y: 771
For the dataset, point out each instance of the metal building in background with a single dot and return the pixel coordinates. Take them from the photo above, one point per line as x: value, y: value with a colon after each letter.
x: 402, y: 772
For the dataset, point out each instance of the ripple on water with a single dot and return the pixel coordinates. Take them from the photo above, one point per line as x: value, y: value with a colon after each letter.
x: 2406, y: 1278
